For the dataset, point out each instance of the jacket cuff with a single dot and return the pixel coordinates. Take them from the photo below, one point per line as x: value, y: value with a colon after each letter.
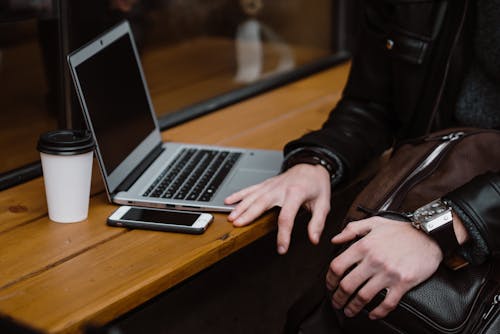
x: 474, y: 251
x: 478, y: 205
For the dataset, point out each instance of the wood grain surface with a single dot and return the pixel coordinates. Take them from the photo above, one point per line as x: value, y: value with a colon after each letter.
x: 59, y: 277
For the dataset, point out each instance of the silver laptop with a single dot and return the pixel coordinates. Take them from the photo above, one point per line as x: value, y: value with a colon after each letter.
x: 137, y: 167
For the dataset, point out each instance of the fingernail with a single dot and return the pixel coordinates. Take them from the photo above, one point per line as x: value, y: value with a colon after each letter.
x: 348, y: 313
x: 372, y: 317
x: 281, y: 250
x: 316, y: 237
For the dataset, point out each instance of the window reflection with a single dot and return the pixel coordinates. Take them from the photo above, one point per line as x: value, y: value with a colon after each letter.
x: 195, y: 50
x: 192, y: 51
x: 28, y: 95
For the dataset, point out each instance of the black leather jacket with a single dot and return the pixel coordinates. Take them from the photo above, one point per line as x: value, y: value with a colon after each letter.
x: 404, y: 81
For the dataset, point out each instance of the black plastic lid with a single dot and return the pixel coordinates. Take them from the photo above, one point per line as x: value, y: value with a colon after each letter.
x: 65, y: 142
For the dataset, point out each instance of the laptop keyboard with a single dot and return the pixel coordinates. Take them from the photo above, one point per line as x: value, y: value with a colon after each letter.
x: 194, y: 174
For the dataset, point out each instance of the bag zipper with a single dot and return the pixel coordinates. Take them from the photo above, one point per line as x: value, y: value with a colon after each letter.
x: 493, y: 306
x: 485, y: 317
x: 425, y: 165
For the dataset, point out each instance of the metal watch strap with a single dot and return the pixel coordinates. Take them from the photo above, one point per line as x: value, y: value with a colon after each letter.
x: 436, y: 219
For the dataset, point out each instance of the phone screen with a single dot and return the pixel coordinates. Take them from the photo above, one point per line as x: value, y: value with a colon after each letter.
x: 161, y: 216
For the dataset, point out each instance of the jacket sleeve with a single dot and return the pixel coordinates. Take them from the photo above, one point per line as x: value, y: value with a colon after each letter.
x: 359, y: 127
x: 478, y: 205
x: 390, y: 70
x: 364, y: 122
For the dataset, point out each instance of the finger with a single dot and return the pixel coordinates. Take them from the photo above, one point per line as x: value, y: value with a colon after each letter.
x: 350, y: 284
x: 353, y: 230
x: 239, y: 195
x: 369, y: 290
x: 251, y: 198
x: 331, y: 281
x: 339, y: 266
x: 253, y: 208
x: 241, y: 207
x: 286, y: 218
x: 317, y: 222
x: 390, y: 302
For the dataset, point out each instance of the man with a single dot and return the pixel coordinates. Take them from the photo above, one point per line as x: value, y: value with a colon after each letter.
x: 419, y: 66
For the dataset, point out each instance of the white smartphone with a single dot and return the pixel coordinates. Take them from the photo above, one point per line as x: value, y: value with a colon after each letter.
x: 160, y: 219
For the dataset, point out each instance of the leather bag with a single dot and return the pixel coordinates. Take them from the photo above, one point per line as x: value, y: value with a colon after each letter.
x: 466, y: 300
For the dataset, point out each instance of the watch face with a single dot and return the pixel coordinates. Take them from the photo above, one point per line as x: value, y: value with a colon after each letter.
x: 427, y: 212
x: 432, y: 216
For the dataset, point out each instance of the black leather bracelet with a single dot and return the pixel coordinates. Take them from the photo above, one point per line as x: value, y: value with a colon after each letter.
x: 311, y: 160
x: 314, y: 156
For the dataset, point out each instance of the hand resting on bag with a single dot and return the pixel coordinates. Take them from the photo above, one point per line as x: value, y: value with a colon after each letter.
x: 390, y: 255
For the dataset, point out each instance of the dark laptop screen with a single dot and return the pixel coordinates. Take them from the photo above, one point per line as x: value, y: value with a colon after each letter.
x: 116, y: 101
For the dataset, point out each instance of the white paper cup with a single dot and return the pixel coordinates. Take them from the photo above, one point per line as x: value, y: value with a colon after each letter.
x: 66, y: 157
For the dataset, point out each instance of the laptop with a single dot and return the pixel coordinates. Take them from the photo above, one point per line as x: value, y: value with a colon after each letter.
x: 137, y: 167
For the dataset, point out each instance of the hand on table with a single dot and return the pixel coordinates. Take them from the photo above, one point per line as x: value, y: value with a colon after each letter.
x: 302, y: 185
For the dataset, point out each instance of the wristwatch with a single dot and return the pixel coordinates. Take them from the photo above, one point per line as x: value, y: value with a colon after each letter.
x: 436, y: 220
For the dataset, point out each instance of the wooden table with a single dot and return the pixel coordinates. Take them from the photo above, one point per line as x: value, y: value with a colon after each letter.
x: 57, y: 278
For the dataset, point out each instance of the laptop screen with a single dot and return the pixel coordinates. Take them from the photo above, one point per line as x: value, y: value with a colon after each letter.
x: 117, y: 103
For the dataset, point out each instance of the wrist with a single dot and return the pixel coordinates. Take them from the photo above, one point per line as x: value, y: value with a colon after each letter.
x: 460, y: 231
x: 315, y: 156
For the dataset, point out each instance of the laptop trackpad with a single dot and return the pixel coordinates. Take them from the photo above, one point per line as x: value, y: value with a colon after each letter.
x: 247, y: 177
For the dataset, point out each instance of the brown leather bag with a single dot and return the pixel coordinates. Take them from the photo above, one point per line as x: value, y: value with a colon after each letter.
x: 426, y: 168
x: 419, y: 171
x: 464, y: 301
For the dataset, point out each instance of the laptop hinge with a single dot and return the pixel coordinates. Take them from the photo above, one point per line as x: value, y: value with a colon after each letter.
x: 139, y: 170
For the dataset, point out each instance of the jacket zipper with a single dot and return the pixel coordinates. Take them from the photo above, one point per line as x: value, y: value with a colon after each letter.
x: 448, y: 63
x: 425, y: 165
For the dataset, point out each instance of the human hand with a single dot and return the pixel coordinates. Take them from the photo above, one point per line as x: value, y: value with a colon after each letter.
x: 302, y: 184
x: 390, y: 255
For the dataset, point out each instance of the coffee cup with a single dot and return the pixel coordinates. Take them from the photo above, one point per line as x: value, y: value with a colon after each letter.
x: 66, y: 157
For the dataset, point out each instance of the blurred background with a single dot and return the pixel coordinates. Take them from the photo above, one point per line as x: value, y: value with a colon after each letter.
x: 198, y: 56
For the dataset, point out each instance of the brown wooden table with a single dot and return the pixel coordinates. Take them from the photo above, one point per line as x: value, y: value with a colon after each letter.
x: 57, y: 278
